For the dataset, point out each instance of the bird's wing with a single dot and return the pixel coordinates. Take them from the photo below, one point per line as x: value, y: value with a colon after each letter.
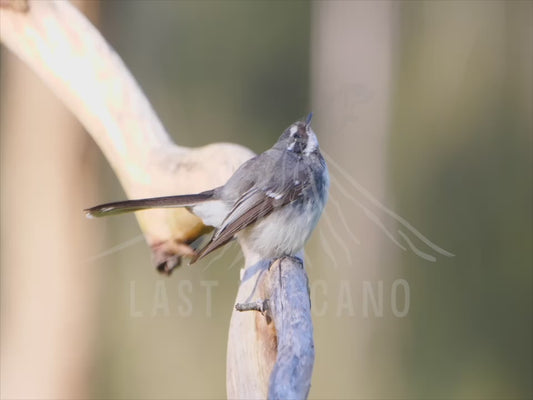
x: 250, y: 207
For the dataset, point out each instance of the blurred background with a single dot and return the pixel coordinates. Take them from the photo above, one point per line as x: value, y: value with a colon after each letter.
x: 420, y: 270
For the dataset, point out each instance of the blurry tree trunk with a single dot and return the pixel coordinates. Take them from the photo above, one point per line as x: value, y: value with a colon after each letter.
x: 352, y: 63
x: 48, y: 295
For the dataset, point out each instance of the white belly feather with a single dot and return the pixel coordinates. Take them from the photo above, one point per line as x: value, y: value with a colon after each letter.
x: 284, y: 232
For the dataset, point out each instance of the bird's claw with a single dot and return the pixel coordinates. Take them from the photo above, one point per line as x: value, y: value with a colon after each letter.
x: 166, y: 256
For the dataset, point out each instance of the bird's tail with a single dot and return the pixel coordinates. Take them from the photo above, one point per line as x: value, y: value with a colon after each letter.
x: 120, y: 207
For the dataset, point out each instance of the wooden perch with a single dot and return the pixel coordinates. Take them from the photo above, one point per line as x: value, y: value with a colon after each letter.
x: 284, y: 332
x: 269, y: 354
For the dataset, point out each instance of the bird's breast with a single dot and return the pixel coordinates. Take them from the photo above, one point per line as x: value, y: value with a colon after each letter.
x: 284, y: 231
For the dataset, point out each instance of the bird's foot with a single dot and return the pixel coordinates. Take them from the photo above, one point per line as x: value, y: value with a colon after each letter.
x: 296, y: 258
x: 166, y: 256
x: 300, y: 260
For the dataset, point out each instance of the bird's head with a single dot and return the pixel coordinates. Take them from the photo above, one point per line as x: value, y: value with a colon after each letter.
x: 299, y: 138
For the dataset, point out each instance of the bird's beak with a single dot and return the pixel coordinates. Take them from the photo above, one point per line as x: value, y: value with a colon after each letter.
x: 308, y: 120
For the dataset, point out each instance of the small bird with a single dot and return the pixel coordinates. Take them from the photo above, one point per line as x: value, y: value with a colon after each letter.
x: 271, y: 203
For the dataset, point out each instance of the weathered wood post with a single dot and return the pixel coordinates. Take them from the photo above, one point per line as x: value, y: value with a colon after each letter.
x: 270, y: 347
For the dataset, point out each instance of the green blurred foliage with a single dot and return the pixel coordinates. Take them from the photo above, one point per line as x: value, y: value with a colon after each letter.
x: 215, y: 70
x: 461, y: 170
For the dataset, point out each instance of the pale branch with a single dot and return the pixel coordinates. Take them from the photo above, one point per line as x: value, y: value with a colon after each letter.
x: 16, y: 5
x: 79, y: 66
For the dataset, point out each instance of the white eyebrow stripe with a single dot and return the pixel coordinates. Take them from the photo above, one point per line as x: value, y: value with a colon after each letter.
x: 293, y: 130
x: 312, y: 142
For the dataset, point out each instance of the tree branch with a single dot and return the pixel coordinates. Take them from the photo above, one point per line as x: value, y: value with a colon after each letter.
x: 259, y: 305
x: 75, y: 61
